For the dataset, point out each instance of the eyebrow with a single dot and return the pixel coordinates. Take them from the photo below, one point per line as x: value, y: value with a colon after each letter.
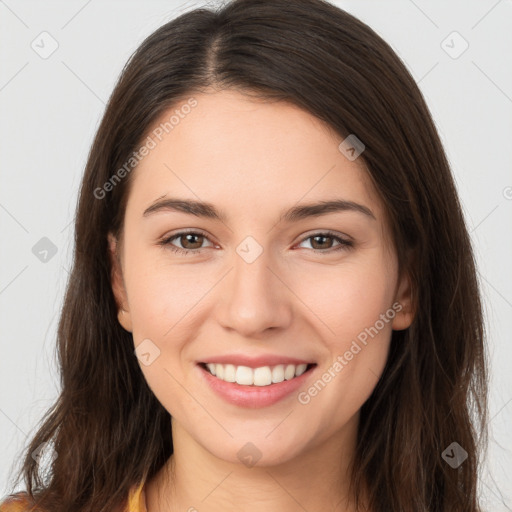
x: 294, y: 214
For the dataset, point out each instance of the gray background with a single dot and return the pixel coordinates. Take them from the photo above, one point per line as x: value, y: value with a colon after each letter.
x: 52, y: 106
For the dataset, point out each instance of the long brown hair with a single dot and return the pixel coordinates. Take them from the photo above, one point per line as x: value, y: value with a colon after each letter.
x: 107, y: 427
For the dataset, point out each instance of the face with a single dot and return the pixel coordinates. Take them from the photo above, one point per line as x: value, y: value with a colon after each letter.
x: 255, y: 280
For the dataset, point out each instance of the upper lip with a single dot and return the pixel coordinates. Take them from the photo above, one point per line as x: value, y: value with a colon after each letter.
x: 254, y: 361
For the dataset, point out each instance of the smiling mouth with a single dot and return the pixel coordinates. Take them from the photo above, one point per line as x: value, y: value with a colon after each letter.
x: 261, y: 376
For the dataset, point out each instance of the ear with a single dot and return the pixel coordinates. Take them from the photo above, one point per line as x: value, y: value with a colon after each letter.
x: 117, y: 282
x: 406, y: 311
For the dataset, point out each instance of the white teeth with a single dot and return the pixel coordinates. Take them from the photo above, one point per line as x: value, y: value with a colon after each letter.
x: 289, y: 372
x: 244, y: 375
x: 262, y: 376
x: 230, y: 373
x: 301, y: 368
x: 278, y: 373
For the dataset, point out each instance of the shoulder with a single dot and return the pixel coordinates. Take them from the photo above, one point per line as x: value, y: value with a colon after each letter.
x: 22, y: 502
x: 19, y: 502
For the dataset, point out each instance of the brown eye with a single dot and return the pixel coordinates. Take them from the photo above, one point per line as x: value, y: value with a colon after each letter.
x: 320, y: 242
x: 323, y: 242
x: 191, y: 240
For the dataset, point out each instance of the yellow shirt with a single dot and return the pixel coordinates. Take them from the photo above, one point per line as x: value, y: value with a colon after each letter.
x: 20, y: 502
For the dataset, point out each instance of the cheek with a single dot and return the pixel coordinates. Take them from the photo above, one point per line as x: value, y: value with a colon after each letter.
x: 163, y: 303
x: 355, y: 304
x: 350, y: 297
x: 160, y: 294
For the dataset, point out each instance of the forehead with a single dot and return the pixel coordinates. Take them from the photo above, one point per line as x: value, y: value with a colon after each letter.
x: 254, y: 155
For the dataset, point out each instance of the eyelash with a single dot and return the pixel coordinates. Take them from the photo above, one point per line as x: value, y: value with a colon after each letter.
x: 166, y: 242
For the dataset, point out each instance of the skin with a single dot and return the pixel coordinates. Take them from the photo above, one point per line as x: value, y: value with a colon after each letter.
x: 252, y: 159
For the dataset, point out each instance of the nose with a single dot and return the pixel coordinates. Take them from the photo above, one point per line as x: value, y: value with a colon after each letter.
x: 254, y: 297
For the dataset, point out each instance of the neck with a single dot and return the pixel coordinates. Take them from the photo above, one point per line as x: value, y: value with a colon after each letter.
x: 194, y: 480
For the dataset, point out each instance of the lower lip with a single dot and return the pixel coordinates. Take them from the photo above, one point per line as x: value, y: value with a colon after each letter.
x: 254, y: 396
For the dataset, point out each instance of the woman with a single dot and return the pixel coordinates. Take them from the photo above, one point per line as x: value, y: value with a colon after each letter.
x: 273, y: 303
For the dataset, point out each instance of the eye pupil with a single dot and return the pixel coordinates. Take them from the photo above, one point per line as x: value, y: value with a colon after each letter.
x: 191, y: 235
x: 322, y: 238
